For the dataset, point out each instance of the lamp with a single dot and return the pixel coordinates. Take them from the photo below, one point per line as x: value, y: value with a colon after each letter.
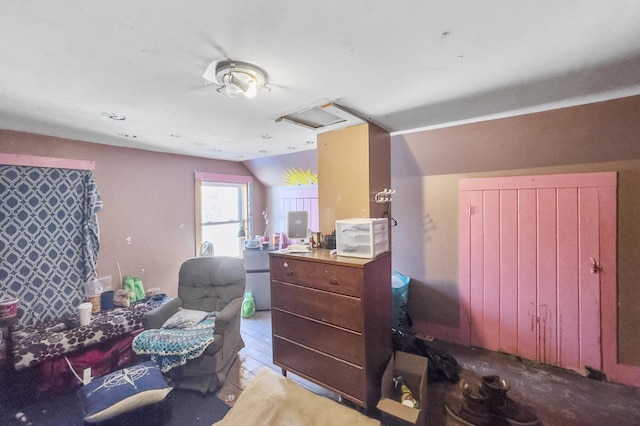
x: 236, y: 78
x: 242, y: 233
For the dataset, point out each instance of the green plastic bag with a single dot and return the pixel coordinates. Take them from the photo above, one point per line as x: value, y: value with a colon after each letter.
x: 248, y: 305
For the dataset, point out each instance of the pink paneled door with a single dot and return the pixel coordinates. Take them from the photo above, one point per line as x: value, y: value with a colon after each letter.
x: 531, y: 265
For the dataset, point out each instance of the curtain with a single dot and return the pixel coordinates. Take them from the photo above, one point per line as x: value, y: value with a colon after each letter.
x: 49, y: 239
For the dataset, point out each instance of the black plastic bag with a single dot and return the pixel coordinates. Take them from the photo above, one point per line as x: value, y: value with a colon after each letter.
x: 442, y: 366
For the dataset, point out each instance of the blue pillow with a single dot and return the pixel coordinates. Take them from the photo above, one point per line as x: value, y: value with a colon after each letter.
x: 122, y: 391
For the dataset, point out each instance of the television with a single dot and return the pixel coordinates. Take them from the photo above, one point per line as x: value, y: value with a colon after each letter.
x: 298, y: 224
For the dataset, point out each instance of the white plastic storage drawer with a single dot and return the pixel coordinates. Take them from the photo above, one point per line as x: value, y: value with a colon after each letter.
x: 362, y: 237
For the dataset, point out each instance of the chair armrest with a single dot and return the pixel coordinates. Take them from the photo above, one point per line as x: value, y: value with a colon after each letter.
x: 156, y: 317
x: 228, y: 314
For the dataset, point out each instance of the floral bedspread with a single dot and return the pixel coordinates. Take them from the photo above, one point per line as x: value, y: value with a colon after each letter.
x: 36, y: 343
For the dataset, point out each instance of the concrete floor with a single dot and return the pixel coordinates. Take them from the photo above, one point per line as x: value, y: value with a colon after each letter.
x: 558, y: 396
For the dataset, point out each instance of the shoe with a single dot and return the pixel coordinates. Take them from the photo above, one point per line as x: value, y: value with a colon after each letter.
x: 494, y: 388
x: 500, y: 406
x: 472, y: 411
x: 495, y: 384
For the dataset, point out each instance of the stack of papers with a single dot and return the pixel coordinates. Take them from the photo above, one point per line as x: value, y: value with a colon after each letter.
x: 297, y: 248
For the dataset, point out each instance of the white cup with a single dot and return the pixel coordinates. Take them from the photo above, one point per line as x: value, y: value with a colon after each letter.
x: 84, y: 311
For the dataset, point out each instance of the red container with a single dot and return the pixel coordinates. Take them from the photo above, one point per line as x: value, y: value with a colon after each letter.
x: 8, y: 307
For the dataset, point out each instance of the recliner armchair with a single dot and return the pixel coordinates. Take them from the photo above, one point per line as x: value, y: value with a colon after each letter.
x: 207, y: 284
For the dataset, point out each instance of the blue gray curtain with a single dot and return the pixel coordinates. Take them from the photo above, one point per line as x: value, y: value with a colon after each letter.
x: 49, y: 239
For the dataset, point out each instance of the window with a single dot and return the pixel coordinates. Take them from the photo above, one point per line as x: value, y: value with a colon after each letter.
x: 222, y: 206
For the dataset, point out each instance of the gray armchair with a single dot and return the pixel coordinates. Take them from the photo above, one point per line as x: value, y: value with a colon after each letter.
x: 207, y: 284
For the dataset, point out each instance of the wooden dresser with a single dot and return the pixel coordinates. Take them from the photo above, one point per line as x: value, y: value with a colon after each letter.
x: 331, y: 319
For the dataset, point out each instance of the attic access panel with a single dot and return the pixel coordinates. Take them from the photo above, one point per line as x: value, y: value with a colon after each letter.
x: 322, y: 118
x: 314, y: 118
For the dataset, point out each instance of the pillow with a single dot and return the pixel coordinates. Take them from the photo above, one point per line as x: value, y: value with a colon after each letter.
x: 185, y: 318
x: 122, y: 391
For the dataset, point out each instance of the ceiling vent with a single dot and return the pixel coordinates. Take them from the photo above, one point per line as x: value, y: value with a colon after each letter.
x: 322, y: 118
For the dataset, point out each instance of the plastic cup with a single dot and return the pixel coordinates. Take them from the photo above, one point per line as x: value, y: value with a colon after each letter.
x: 84, y: 311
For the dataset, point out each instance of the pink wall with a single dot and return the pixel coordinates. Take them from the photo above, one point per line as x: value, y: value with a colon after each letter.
x: 427, y: 166
x: 272, y: 171
x: 592, y: 133
x: 275, y: 173
x: 147, y: 222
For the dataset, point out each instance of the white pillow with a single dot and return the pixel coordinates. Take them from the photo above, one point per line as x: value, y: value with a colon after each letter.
x: 185, y: 318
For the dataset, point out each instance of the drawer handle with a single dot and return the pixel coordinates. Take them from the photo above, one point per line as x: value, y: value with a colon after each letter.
x: 289, y: 272
x: 334, y: 281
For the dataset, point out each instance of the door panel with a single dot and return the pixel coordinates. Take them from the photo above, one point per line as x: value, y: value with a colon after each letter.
x: 509, y: 271
x: 527, y: 248
x: 547, y: 276
x: 476, y: 279
x: 568, y: 309
x: 589, y: 258
x: 491, y: 296
x: 464, y: 261
x: 533, y: 258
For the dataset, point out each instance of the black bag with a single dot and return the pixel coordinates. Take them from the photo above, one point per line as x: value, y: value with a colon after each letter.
x: 442, y: 366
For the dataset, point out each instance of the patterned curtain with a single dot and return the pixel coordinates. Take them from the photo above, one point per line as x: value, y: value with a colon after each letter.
x: 49, y: 239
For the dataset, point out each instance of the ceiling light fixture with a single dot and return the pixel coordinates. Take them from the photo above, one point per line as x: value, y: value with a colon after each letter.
x: 236, y: 78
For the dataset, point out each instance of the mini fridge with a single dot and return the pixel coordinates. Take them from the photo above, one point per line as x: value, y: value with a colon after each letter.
x: 256, y: 265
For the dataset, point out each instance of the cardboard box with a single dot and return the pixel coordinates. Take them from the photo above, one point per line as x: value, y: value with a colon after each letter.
x: 413, y: 368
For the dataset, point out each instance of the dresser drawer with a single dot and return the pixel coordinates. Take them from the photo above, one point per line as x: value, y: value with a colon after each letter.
x: 332, y: 308
x: 338, y: 375
x: 337, y: 342
x: 335, y: 278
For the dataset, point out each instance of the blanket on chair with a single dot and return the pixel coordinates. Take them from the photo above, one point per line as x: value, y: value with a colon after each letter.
x: 173, y: 347
x: 273, y: 400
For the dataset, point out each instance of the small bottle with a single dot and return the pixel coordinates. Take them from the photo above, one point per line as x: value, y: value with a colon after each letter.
x: 248, y: 305
x: 406, y: 397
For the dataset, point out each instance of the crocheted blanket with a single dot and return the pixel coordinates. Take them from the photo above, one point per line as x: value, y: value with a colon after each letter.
x: 173, y: 347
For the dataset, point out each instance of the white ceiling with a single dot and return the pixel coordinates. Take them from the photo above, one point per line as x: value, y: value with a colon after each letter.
x: 403, y: 64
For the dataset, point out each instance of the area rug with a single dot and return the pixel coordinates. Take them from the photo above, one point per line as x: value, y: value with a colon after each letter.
x: 271, y: 399
x: 189, y: 408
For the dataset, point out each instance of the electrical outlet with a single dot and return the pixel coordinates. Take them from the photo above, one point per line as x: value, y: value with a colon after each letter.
x: 86, y: 376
